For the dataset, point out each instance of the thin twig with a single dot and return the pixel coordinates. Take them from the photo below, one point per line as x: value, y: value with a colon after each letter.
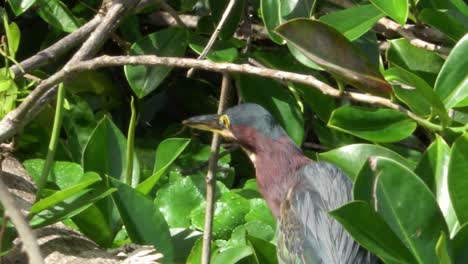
x: 211, y: 177
x: 215, y: 34
x: 168, y: 8
x: 24, y: 231
x: 13, y: 122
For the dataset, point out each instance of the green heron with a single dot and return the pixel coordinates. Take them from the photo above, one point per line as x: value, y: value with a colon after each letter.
x: 298, y: 190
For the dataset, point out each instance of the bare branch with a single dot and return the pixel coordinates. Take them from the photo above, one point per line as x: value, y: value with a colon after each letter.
x: 24, y: 231
x: 58, y: 49
x: 211, y: 176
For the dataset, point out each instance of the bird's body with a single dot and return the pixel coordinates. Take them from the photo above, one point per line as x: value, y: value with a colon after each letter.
x: 298, y: 190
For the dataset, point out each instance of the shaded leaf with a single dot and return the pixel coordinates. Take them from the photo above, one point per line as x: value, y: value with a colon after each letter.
x: 271, y: 15
x: 57, y: 15
x: 457, y: 180
x: 332, y: 51
x: 396, y: 9
x: 19, y: 6
x: 170, y: 42
x: 264, y: 251
x: 221, y: 51
x: 230, y: 26
x: 444, y: 22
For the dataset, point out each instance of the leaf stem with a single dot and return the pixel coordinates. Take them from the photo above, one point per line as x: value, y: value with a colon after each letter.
x: 130, y: 143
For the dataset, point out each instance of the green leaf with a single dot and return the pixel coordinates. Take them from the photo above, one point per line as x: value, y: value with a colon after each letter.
x: 351, y: 158
x: 457, y: 180
x: 264, y: 251
x: 420, y: 61
x: 88, y: 179
x: 230, y: 26
x: 57, y: 15
x: 65, y: 174
x: 142, y: 219
x: 443, y: 249
x: 420, y: 89
x: 19, y: 6
x: 94, y: 224
x: 353, y: 22
x: 170, y: 42
x: 276, y: 99
x: 13, y: 36
x: 335, y: 53
x: 444, y: 22
x: 221, y: 51
x: 196, y: 252
x: 232, y: 255
x: 260, y: 229
x: 259, y: 211
x: 105, y: 151
x: 166, y: 154
x: 433, y: 169
x: 459, y: 245
x: 371, y: 231
x: 177, y: 199
x: 396, y: 9
x: 405, y: 203
x: 452, y: 83
x: 72, y: 207
x: 229, y: 213
x: 377, y: 125
x: 271, y: 15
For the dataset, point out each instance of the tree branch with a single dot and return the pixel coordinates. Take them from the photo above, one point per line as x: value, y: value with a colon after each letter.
x: 211, y: 177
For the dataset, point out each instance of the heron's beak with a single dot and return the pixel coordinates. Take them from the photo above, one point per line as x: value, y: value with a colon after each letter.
x: 206, y: 122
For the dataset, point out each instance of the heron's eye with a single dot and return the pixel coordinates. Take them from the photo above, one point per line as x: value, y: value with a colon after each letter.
x: 225, y: 121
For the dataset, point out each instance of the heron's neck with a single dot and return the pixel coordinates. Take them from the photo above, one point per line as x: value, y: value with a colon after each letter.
x: 276, y: 164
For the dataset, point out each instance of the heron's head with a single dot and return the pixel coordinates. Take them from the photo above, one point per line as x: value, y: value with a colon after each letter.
x: 249, y: 125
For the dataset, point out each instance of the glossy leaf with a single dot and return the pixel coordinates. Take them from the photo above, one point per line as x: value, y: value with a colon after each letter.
x: 142, y: 219
x: 353, y: 22
x: 13, y: 36
x: 444, y: 249
x: 420, y: 89
x: 297, y: 8
x: 444, y: 22
x: 420, y: 61
x: 271, y: 15
x: 260, y: 230
x: 405, y: 203
x: 351, y: 158
x: 377, y: 125
x: 229, y: 213
x: 457, y: 180
x: 94, y: 223
x: 20, y: 6
x: 433, y: 170
x: 232, y: 255
x: 221, y: 51
x: 333, y: 52
x: 177, y: 199
x: 396, y: 9
x: 276, y: 99
x: 170, y: 42
x: 259, y: 211
x: 57, y: 15
x: 65, y: 174
x: 300, y: 57
x: 230, y: 26
x: 166, y: 153
x: 371, y: 231
x: 452, y: 83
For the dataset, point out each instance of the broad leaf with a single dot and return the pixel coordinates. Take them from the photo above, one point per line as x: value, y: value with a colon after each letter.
x: 142, y: 219
x: 222, y: 51
x: 457, y: 180
x: 264, y: 251
x: 444, y: 22
x: 170, y: 42
x: 353, y: 22
x: 452, y: 83
x: 351, y: 158
x: 371, y: 231
x: 19, y: 6
x: 271, y: 15
x: 396, y: 9
x: 377, y: 125
x: 333, y: 52
x: 405, y: 203
x: 167, y: 152
x: 57, y: 15
x: 230, y: 26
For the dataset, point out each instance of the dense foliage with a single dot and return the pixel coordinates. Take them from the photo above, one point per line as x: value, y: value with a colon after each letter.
x: 125, y: 170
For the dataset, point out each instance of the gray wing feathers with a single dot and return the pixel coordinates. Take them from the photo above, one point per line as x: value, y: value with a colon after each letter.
x: 321, y: 188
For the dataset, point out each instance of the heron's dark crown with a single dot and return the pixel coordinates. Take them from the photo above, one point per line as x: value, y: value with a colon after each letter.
x: 255, y: 116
